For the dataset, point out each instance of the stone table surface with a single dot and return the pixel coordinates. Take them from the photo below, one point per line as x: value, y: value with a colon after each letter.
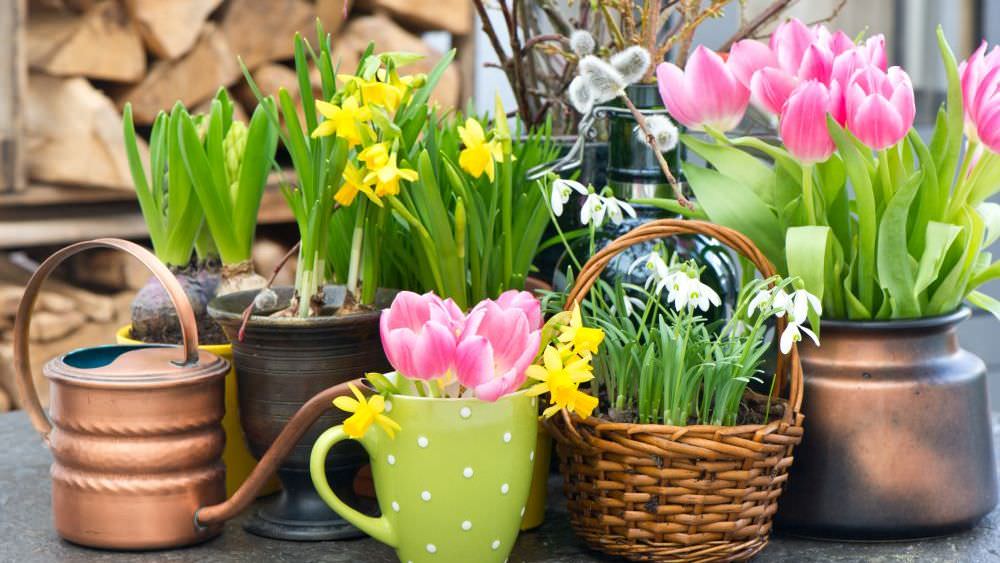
x: 26, y: 533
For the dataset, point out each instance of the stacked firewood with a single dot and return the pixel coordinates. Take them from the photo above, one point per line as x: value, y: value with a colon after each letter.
x: 87, y: 58
x: 85, y: 305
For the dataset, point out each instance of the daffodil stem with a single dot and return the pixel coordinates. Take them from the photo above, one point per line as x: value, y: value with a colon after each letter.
x: 655, y: 147
x: 357, y: 240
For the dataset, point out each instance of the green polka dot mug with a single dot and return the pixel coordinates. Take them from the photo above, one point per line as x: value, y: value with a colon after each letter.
x: 452, y: 484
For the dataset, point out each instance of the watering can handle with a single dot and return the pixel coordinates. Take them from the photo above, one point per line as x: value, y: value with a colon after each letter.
x: 22, y: 360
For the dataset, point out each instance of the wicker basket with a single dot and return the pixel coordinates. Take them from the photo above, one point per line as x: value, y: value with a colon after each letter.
x: 651, y: 492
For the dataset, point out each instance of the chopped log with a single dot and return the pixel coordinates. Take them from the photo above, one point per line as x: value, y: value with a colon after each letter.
x: 10, y: 297
x: 102, y: 43
x: 98, y: 308
x: 74, y: 134
x: 191, y: 79
x: 454, y: 16
x: 13, y: 84
x: 108, y: 269
x: 331, y: 13
x: 46, y: 326
x: 261, y: 31
x: 5, y: 402
x: 360, y: 31
x: 266, y: 256
x: 170, y: 29
x: 269, y: 78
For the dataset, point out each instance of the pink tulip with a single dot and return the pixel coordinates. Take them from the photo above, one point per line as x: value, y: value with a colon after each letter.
x: 705, y: 93
x: 980, y: 76
x: 879, y: 106
x: 837, y: 42
x: 790, y: 41
x: 747, y: 57
x: 770, y: 88
x: 496, y: 347
x: 419, y: 335
x: 803, y: 123
x: 524, y: 301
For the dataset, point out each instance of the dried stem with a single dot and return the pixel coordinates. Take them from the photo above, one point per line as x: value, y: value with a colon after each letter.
x: 651, y: 141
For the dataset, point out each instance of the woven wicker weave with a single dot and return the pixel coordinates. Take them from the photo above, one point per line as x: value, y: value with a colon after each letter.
x: 651, y: 492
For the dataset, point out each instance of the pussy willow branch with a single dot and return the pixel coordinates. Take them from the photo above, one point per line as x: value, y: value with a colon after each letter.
x: 651, y: 140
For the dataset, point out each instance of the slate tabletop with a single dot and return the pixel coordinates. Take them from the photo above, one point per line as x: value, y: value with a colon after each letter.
x: 26, y: 533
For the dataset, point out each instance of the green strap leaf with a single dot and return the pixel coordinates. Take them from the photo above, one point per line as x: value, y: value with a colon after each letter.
x: 939, y: 237
x: 985, y: 302
x: 736, y: 163
x: 895, y: 273
x: 730, y: 203
x: 807, y: 250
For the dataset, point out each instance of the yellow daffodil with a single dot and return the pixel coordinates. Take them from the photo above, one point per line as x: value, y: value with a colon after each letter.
x: 365, y: 412
x: 353, y: 184
x: 377, y: 93
x: 375, y: 156
x: 343, y: 120
x: 479, y: 155
x: 387, y: 177
x: 584, y: 340
x: 562, y: 379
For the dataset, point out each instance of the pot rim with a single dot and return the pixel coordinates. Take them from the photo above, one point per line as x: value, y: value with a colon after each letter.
x: 223, y: 315
x: 936, y: 321
x: 450, y: 400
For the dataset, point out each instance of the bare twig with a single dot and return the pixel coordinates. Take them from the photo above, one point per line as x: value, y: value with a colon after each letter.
x: 274, y: 274
x: 766, y: 16
x: 651, y: 140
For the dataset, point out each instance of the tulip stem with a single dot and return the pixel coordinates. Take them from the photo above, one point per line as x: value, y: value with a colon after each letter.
x: 651, y: 140
x: 807, y: 194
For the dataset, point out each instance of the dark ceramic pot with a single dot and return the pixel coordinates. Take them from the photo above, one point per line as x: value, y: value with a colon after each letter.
x: 280, y: 364
x: 897, y: 437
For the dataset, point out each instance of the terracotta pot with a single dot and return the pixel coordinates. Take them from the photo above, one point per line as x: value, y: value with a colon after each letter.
x: 897, y: 437
x: 280, y: 363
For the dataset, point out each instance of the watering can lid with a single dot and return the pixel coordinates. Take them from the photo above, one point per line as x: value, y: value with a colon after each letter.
x: 143, y: 365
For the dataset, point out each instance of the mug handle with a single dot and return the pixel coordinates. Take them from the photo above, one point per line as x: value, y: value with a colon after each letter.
x: 378, y: 528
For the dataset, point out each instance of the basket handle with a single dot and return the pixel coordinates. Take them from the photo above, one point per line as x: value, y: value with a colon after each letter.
x: 663, y: 228
x: 22, y: 360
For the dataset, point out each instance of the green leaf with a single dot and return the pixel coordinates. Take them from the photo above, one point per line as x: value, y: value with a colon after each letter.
x: 952, y: 288
x: 990, y: 213
x: 948, y: 158
x: 984, y: 302
x: 895, y: 274
x: 807, y: 250
x: 730, y: 203
x: 261, y: 144
x: 147, y: 202
x: 939, y: 237
x: 859, y: 173
x: 736, y: 163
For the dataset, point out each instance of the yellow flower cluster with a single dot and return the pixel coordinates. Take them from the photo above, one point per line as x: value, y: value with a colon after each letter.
x: 366, y: 411
x: 352, y: 119
x: 565, y: 366
x: 479, y: 155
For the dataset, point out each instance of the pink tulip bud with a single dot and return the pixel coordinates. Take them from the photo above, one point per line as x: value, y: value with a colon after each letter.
x: 526, y: 302
x: 705, y: 93
x: 770, y: 87
x: 418, y: 335
x: 879, y: 106
x: 980, y: 77
x: 790, y: 41
x: 803, y: 123
x: 497, y: 345
x: 747, y: 57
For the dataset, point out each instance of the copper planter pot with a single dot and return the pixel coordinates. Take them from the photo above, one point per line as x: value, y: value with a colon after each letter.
x: 280, y: 364
x: 897, y: 438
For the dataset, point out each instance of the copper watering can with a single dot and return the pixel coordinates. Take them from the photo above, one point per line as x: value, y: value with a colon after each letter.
x: 135, y: 430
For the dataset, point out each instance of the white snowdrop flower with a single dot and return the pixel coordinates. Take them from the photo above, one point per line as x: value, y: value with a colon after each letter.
x: 593, y: 210
x: 604, y: 82
x: 686, y: 291
x: 632, y: 63
x: 760, y: 302
x: 580, y: 95
x: 792, y: 334
x: 677, y: 293
x: 617, y: 209
x: 663, y: 130
x: 561, y: 190
x: 702, y: 296
x: 656, y: 268
x: 781, y: 302
x: 582, y: 42
x: 802, y: 301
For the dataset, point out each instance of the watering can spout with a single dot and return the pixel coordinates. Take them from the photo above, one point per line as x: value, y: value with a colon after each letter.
x: 215, y: 514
